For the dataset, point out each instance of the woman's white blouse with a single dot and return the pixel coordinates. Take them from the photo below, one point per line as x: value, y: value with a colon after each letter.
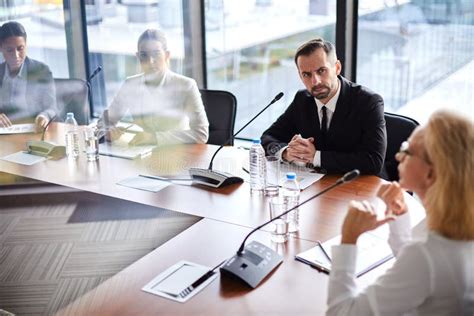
x: 430, y: 277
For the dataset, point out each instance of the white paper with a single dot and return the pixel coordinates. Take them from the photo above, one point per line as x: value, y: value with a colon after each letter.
x: 146, y: 184
x: 18, y: 129
x: 127, y: 152
x: 171, y: 282
x: 24, y: 158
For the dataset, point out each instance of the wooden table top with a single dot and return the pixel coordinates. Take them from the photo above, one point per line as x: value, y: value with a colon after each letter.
x: 293, y: 288
x: 228, y: 214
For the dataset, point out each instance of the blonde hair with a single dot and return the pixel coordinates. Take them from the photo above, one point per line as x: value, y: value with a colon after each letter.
x: 449, y: 142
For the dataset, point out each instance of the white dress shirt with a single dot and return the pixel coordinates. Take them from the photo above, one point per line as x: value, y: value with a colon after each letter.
x: 172, y: 108
x: 430, y: 277
x: 13, y: 94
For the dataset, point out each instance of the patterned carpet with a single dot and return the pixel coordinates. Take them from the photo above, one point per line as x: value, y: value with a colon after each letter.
x: 56, y: 247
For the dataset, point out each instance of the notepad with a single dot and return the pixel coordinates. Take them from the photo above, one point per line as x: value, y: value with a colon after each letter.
x: 175, y: 283
x: 18, y: 129
x: 372, y: 251
x: 127, y: 152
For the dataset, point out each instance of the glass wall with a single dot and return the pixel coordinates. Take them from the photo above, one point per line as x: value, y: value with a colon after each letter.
x: 425, y: 49
x: 113, y: 28
x: 250, y: 46
x: 44, y: 24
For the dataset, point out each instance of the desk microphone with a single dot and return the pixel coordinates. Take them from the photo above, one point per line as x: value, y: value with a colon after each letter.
x: 46, y: 127
x: 217, y: 179
x: 253, y: 263
x: 88, y: 82
x: 44, y: 148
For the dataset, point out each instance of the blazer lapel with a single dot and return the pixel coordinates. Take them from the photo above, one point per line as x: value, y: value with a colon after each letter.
x: 339, y: 118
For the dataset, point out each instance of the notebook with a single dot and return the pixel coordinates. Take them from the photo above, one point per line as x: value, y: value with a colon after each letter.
x: 372, y: 251
x: 18, y: 129
x: 127, y: 152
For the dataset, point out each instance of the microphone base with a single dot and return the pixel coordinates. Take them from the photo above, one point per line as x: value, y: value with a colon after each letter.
x: 211, y: 178
x: 253, y: 264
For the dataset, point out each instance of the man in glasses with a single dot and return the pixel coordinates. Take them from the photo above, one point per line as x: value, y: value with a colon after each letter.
x: 26, y: 85
x: 167, y: 106
x: 334, y: 125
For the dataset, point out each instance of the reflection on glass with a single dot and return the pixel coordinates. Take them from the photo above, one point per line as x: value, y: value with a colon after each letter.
x: 164, y: 106
x: 26, y: 85
x: 425, y: 49
x: 113, y: 28
x: 250, y: 47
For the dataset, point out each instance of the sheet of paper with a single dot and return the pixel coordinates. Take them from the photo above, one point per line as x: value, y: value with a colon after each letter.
x: 146, y: 184
x: 24, y: 158
x: 18, y: 129
x: 127, y: 152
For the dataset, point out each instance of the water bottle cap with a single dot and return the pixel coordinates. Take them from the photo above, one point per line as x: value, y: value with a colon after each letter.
x: 70, y: 114
x: 256, y: 140
x: 291, y: 176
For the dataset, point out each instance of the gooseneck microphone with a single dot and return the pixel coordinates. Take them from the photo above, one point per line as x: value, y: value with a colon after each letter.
x: 217, y: 179
x: 246, y: 264
x: 94, y: 73
x: 46, y: 127
x: 88, y: 82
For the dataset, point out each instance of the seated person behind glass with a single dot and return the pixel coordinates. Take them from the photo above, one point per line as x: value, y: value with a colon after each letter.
x: 26, y: 85
x: 167, y: 106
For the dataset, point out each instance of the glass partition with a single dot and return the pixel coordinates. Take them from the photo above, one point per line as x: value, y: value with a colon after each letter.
x: 418, y: 54
x: 250, y: 47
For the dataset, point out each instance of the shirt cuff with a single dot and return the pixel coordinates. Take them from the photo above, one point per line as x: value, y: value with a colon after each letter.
x: 280, y: 153
x: 401, y: 224
x: 344, y: 258
x: 317, y: 159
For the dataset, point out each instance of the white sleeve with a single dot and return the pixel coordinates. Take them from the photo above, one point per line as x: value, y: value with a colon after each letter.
x: 402, y: 288
x: 400, y: 232
x: 198, y: 123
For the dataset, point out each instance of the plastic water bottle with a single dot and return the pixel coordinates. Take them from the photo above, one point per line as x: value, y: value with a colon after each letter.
x: 72, y: 136
x: 257, y: 167
x: 291, y: 195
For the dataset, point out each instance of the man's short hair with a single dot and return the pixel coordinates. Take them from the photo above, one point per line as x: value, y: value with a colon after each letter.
x: 153, y: 35
x: 310, y: 46
x: 12, y: 29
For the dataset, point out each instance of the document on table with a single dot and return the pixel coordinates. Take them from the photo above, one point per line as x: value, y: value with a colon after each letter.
x: 18, y: 129
x: 24, y: 158
x: 372, y: 251
x: 146, y: 184
x: 127, y: 152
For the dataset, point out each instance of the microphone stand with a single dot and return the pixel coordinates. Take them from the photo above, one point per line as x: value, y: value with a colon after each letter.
x: 246, y: 263
x: 217, y: 179
x: 89, y: 87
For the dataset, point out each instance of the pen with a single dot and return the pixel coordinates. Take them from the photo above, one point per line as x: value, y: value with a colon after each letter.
x: 324, y: 251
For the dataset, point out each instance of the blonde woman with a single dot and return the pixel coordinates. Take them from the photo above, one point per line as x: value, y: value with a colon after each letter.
x: 430, y: 277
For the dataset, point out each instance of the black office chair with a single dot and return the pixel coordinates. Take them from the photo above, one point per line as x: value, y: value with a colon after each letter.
x: 72, y: 95
x: 221, y: 109
x: 399, y: 128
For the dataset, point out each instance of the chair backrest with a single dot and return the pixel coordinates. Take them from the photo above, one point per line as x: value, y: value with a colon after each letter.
x: 399, y: 128
x: 72, y: 95
x: 221, y: 109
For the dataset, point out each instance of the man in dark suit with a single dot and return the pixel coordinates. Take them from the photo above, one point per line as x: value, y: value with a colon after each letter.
x: 26, y: 85
x: 334, y: 125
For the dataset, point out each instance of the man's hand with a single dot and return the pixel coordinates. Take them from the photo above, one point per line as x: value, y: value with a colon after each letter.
x: 4, y: 120
x: 360, y: 218
x: 143, y: 138
x: 392, y: 194
x: 41, y: 121
x: 300, y: 150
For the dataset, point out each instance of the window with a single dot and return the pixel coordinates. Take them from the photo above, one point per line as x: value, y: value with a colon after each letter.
x: 113, y: 29
x: 250, y: 49
x: 44, y: 25
x: 425, y: 49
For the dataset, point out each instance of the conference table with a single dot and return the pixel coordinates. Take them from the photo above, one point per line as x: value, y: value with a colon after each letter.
x: 228, y: 214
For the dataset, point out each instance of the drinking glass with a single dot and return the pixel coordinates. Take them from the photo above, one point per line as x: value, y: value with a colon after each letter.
x: 279, y: 227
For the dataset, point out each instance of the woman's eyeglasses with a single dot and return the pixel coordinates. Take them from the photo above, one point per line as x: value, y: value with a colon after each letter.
x: 405, y: 151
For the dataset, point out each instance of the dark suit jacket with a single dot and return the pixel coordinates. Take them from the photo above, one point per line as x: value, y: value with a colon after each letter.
x: 40, y: 91
x: 356, y: 137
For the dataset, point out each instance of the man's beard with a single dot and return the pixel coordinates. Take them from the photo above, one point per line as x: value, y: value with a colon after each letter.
x: 322, y: 94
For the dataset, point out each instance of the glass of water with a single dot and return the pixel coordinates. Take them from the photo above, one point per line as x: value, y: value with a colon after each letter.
x: 279, y: 227
x: 272, y: 176
x: 92, y: 143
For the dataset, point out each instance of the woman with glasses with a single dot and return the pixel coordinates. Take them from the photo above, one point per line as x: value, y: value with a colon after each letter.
x: 167, y: 106
x: 434, y: 276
